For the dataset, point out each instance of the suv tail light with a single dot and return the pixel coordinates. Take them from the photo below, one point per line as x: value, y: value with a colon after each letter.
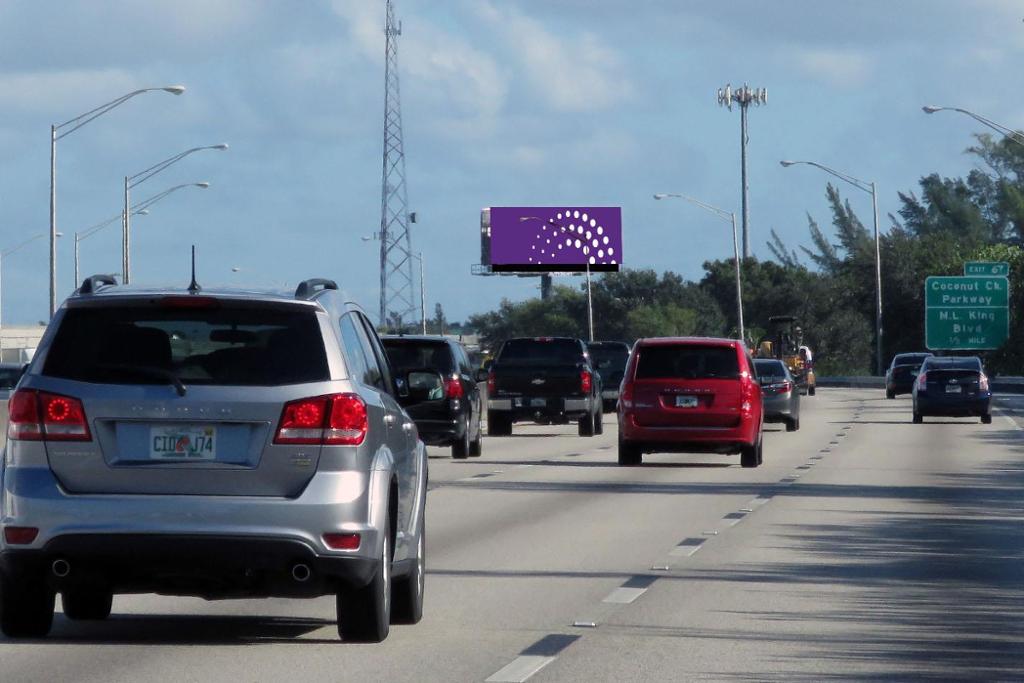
x: 453, y: 387
x: 586, y: 381
x: 492, y: 383
x: 42, y: 416
x: 334, y: 420
x: 20, y: 535
x: 982, y: 382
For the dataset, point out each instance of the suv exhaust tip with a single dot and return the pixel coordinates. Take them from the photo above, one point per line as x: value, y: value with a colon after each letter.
x: 60, y: 568
x: 301, y: 572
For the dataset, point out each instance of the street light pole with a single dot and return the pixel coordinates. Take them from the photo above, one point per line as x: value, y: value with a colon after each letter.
x: 1005, y: 131
x: 871, y: 189
x: 75, y: 124
x: 423, y: 296
x: 731, y: 217
x: 138, y: 179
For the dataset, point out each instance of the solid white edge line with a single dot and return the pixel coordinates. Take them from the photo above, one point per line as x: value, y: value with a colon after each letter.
x: 520, y: 669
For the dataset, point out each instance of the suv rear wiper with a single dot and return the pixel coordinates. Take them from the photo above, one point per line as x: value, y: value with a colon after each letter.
x: 158, y: 373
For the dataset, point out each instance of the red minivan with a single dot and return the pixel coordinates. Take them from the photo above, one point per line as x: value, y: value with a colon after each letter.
x: 690, y: 394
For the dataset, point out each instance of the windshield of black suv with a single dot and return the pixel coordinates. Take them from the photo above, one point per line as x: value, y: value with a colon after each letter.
x: 543, y: 351
x: 218, y: 346
x: 414, y: 354
x: 615, y: 357
x: 687, y: 361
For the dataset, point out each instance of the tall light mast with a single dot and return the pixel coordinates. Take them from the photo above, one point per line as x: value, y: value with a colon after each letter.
x: 396, y: 278
x: 744, y: 97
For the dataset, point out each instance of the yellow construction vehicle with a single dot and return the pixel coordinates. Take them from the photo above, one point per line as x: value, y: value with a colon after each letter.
x: 784, y: 341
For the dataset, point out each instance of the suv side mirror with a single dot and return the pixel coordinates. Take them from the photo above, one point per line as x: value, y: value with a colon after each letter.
x: 481, y: 374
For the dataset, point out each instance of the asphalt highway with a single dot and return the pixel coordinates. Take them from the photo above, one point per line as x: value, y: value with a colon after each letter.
x: 865, y: 548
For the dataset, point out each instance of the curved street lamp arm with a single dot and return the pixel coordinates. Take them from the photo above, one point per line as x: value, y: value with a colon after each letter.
x: 856, y: 182
x: 88, y: 116
x: 1014, y: 135
x: 143, y: 176
x: 30, y: 240
x: 146, y: 203
x: 721, y: 213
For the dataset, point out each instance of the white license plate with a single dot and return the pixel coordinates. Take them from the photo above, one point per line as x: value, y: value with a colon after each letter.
x: 953, y: 389
x: 538, y: 402
x: 183, y: 442
x: 686, y: 401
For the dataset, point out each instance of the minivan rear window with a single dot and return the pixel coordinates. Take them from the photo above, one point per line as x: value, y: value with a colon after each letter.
x: 239, y: 346
x: 687, y: 361
x: 412, y: 354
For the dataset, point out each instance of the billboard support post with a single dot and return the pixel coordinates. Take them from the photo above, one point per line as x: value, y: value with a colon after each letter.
x: 590, y: 307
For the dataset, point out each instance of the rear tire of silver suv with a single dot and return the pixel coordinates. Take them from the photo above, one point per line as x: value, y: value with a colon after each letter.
x: 26, y: 608
x: 407, y: 594
x: 364, y: 614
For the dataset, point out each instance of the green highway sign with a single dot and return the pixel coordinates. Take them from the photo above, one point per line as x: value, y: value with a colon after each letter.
x: 987, y: 268
x: 950, y: 329
x: 966, y: 313
x: 968, y: 291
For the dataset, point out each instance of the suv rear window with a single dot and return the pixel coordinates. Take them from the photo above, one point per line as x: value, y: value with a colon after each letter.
x: 687, y: 362
x: 248, y: 346
x: 412, y: 354
x: 541, y: 352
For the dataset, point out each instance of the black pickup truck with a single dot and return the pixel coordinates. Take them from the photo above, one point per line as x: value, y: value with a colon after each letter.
x: 548, y: 380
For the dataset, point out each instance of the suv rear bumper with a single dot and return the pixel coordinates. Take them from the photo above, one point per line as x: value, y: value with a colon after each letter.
x: 211, y: 531
x: 522, y: 408
x: 203, y: 565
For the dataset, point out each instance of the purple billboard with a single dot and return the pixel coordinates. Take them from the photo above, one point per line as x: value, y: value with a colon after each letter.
x: 551, y: 239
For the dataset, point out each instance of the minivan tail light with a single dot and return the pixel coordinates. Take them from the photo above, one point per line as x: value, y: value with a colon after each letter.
x: 42, y: 416
x: 453, y: 388
x: 335, y: 420
x: 586, y: 381
x: 626, y: 395
x: 748, y: 394
x: 492, y: 383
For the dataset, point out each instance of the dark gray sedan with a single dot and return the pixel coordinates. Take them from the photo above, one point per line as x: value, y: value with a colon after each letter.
x: 780, y: 395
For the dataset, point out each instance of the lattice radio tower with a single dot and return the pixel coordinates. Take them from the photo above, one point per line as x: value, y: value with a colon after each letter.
x: 396, y: 282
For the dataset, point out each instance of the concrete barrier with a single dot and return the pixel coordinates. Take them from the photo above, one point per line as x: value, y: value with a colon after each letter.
x: 999, y: 385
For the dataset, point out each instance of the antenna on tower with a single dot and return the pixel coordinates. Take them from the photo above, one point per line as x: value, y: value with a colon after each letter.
x: 744, y: 97
x: 396, y: 281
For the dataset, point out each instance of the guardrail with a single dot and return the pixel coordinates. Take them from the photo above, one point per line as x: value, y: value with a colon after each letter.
x: 1000, y: 385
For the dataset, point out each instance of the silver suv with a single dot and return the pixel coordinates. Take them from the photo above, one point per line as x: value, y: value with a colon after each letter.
x: 216, y: 444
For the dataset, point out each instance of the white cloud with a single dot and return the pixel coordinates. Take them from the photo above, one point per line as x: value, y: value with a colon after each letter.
x: 573, y: 73
x: 440, y: 65
x: 839, y: 68
x: 62, y: 91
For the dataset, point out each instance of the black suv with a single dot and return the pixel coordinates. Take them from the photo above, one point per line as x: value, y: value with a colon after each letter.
x: 548, y: 380
x: 451, y: 416
x: 609, y: 359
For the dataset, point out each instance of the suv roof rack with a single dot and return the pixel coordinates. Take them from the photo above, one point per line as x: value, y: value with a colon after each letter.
x: 92, y: 283
x: 307, y: 288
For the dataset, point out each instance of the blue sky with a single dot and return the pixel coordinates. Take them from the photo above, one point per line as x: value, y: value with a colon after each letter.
x: 535, y: 102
